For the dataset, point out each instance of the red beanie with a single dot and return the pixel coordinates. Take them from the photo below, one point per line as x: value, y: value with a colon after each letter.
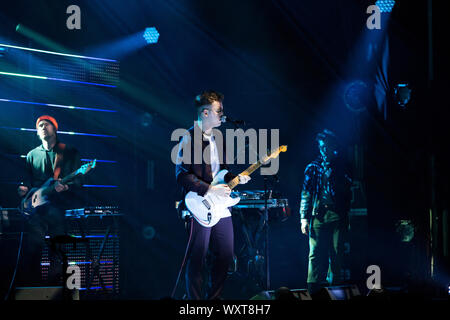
x: 48, y: 118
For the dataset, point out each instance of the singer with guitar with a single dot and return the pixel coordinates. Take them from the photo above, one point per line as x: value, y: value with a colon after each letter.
x: 52, y: 159
x: 197, y: 177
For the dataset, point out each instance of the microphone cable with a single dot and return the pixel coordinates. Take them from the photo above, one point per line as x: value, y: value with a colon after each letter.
x: 184, y: 259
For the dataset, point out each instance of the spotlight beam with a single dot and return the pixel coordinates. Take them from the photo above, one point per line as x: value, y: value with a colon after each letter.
x: 56, y: 105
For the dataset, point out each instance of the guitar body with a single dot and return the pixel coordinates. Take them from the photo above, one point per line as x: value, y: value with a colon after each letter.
x: 209, y: 209
x: 36, y: 197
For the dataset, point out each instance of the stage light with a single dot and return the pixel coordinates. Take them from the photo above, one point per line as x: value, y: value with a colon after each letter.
x: 99, y: 186
x: 402, y: 94
x: 151, y: 35
x: 62, y: 132
x: 148, y: 232
x: 385, y: 5
x: 55, y: 105
x: 22, y: 75
x: 89, y: 160
x: 23, y: 156
x: 405, y: 229
x: 146, y: 119
x: 356, y: 96
x: 55, y: 53
x: 54, y: 79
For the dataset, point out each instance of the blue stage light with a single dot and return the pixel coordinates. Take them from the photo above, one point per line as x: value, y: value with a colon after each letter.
x: 151, y: 35
x: 62, y: 132
x: 356, y: 96
x: 89, y: 160
x: 55, y: 105
x: 56, y: 53
x: 55, y: 79
x: 385, y: 5
x: 99, y: 186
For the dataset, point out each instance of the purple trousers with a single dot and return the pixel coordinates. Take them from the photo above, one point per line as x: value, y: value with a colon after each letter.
x: 220, y: 240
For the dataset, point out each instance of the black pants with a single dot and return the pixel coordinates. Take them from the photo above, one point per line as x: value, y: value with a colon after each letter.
x: 48, y: 220
x: 220, y: 240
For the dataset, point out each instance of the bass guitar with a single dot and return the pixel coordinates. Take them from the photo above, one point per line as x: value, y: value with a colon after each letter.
x: 37, y: 197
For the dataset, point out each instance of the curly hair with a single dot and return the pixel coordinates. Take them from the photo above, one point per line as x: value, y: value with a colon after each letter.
x: 327, y: 136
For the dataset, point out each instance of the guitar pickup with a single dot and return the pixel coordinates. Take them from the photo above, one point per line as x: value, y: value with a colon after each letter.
x: 206, y: 203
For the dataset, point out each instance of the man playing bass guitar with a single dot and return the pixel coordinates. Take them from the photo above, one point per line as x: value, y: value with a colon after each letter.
x: 52, y: 159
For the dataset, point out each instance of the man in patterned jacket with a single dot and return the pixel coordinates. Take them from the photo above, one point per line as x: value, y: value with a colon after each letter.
x: 325, y: 202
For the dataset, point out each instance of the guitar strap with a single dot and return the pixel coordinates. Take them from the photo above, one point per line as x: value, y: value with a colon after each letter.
x: 58, y: 160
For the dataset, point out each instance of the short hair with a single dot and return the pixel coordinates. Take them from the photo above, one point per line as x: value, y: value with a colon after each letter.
x: 207, y: 97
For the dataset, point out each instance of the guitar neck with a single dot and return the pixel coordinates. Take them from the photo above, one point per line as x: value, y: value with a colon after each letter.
x: 233, y: 183
x: 67, y: 179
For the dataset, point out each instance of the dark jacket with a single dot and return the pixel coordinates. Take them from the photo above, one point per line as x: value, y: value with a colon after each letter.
x: 39, y: 168
x: 39, y: 165
x: 340, y: 184
x: 197, y: 177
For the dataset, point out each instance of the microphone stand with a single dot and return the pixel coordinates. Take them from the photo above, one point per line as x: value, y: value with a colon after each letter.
x: 266, y: 234
x: 266, y: 229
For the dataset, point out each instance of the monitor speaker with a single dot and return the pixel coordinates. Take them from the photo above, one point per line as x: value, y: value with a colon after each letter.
x: 345, y: 292
x: 283, y: 293
x: 43, y: 293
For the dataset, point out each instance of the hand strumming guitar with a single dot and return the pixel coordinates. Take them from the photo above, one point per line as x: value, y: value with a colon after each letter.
x: 221, y: 190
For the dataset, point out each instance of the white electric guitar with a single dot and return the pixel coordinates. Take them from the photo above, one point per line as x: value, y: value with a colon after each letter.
x: 208, y: 210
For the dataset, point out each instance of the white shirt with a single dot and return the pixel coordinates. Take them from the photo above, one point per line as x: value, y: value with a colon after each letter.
x: 215, y: 162
x: 215, y: 167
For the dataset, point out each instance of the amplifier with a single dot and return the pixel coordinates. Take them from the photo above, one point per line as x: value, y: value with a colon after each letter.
x: 43, y: 293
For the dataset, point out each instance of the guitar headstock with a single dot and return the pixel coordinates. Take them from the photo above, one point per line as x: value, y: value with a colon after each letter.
x: 277, y: 151
x: 87, y: 167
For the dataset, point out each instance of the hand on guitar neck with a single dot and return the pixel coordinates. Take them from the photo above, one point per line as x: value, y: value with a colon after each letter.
x: 59, y: 187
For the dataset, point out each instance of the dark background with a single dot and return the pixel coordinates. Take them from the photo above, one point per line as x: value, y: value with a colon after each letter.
x: 281, y: 65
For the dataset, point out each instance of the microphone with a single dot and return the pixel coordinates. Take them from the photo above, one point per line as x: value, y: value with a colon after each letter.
x: 225, y: 119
